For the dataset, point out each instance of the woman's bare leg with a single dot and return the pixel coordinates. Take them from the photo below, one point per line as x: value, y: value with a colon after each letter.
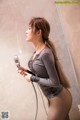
x: 60, y: 106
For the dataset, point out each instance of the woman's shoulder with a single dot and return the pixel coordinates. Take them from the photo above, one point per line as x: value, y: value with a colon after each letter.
x: 46, y: 54
x: 46, y: 50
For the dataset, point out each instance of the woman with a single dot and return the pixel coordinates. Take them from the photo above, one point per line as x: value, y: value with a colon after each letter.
x: 46, y: 70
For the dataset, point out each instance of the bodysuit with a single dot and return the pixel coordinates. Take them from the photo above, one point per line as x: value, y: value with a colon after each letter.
x: 45, y: 73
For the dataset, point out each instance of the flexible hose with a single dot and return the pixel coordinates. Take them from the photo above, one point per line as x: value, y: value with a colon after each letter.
x: 37, y: 97
x: 36, y: 100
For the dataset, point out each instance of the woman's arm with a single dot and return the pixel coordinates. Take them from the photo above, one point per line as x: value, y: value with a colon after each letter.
x: 53, y: 80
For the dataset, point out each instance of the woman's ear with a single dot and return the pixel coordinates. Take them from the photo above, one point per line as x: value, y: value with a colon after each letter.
x: 39, y: 32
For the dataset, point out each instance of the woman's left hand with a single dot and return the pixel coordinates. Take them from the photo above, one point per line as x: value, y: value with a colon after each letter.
x: 27, y: 77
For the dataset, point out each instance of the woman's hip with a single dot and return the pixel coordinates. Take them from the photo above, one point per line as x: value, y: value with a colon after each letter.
x: 63, y: 99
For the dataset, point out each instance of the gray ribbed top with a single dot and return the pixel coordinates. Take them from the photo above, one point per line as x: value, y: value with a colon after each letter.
x: 43, y: 66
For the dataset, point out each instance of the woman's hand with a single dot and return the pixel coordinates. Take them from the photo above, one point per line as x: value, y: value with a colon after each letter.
x: 27, y: 77
x: 22, y: 71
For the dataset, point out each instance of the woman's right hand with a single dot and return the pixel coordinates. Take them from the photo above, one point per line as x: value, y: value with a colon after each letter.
x: 22, y: 71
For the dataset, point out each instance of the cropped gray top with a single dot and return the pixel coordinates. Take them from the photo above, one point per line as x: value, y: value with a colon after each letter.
x: 45, y: 74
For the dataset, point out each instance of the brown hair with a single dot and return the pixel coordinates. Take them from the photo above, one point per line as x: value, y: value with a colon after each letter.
x: 42, y: 24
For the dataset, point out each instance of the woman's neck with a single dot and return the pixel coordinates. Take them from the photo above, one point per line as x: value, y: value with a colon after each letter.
x: 39, y: 46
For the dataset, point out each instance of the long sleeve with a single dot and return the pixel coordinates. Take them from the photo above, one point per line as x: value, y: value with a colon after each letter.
x: 52, y: 80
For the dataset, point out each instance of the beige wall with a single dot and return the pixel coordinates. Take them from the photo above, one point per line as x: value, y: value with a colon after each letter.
x: 16, y: 95
x: 70, y: 17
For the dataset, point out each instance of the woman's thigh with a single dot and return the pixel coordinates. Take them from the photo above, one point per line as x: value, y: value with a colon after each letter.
x: 59, y: 106
x: 56, y: 111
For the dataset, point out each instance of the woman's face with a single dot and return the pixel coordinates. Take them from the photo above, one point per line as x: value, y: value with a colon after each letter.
x: 30, y: 35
